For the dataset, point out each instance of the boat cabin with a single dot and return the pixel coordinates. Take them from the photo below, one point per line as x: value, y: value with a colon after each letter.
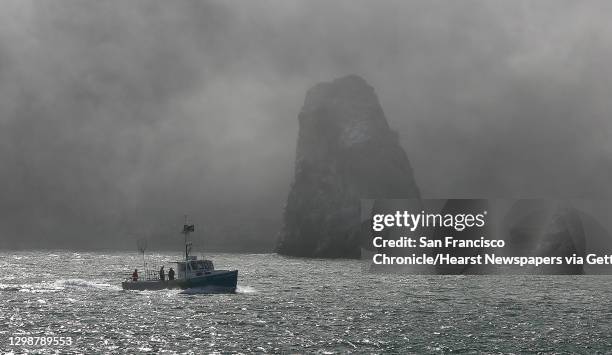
x: 194, y: 267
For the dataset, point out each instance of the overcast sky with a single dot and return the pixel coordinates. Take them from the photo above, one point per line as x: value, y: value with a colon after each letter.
x: 117, y: 117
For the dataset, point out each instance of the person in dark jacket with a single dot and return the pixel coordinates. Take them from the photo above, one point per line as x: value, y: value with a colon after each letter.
x: 162, y: 275
x: 171, y: 274
x: 135, y: 275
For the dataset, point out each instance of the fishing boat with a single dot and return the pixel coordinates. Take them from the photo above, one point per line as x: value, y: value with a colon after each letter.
x: 190, y: 273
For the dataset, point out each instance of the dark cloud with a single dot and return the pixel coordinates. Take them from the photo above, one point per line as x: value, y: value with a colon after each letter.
x: 116, y: 117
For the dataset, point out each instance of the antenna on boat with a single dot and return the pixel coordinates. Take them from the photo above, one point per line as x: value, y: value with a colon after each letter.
x: 141, y: 244
x: 187, y: 228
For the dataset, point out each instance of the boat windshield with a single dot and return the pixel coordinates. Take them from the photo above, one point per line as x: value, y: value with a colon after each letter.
x: 202, y: 265
x: 196, y: 265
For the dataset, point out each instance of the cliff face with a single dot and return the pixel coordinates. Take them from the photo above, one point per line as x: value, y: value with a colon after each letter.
x: 345, y: 152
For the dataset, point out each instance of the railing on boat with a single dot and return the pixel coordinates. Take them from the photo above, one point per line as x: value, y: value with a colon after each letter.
x: 151, y: 275
x: 147, y: 275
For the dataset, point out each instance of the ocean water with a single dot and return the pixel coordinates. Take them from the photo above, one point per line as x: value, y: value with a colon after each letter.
x: 288, y: 305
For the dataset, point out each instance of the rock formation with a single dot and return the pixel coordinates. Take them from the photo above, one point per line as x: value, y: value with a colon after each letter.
x: 345, y: 152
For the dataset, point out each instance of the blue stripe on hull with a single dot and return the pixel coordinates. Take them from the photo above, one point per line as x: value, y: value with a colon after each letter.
x: 218, y: 281
x: 226, y: 280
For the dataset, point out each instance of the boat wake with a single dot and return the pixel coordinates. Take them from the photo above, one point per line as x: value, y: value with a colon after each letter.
x: 80, y: 283
x: 8, y: 288
x: 58, y: 286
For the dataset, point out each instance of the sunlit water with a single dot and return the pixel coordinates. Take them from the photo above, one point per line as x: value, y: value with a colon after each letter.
x: 297, y: 305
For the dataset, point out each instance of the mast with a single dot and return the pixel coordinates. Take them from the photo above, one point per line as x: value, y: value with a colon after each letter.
x: 187, y: 228
x: 141, y: 244
x: 185, y: 231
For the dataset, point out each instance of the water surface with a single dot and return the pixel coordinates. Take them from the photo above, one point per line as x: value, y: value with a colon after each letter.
x: 297, y: 305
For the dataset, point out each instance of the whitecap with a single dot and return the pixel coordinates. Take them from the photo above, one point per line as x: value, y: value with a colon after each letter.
x: 245, y: 289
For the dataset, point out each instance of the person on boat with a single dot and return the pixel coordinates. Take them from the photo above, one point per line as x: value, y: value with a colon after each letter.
x: 135, y: 275
x: 171, y: 274
x: 162, y: 275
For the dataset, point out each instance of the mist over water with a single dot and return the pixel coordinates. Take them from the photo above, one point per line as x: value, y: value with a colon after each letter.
x: 298, y: 305
x: 116, y: 118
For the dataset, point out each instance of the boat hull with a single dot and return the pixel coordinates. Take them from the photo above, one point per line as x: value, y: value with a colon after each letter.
x: 218, y: 281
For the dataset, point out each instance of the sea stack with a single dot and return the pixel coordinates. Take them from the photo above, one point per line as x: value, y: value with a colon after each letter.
x: 345, y: 152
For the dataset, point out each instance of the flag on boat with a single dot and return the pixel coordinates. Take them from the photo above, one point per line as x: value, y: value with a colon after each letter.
x: 188, y: 228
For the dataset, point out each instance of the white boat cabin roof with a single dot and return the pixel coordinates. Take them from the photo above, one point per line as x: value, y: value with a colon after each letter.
x: 196, y: 264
